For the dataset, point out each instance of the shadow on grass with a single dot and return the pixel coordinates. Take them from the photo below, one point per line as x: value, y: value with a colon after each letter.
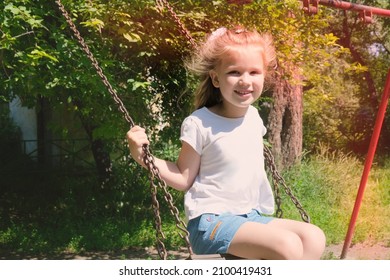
x: 131, y: 253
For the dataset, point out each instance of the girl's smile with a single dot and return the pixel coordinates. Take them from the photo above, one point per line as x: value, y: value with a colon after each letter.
x: 240, y: 78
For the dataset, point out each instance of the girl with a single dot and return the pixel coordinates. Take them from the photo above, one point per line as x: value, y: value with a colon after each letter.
x: 221, y: 164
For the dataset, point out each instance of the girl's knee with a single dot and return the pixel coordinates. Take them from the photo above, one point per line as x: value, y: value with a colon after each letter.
x: 318, y: 235
x: 314, y: 243
x: 310, y: 245
x: 290, y: 247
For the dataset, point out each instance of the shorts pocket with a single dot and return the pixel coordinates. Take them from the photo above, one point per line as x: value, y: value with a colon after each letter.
x: 205, y: 221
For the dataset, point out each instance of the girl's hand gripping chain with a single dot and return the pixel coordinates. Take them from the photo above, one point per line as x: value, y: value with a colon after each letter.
x: 137, y: 138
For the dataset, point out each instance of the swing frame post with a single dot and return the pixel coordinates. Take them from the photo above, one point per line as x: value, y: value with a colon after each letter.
x: 345, y: 6
x: 366, y: 13
x: 367, y: 164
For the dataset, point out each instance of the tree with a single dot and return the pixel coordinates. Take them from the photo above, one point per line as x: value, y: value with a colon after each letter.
x: 41, y: 61
x: 351, y: 84
x: 296, y: 36
x: 141, y: 49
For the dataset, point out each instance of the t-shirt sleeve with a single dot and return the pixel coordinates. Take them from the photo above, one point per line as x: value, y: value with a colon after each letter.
x: 262, y: 127
x: 190, y: 133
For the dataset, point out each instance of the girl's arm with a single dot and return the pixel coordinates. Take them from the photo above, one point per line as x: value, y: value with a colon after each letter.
x: 180, y: 174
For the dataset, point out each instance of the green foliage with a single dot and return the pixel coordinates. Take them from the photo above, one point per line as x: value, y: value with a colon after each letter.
x: 138, y: 50
x: 327, y: 184
x: 141, y: 49
x: 81, y: 215
x: 343, y: 97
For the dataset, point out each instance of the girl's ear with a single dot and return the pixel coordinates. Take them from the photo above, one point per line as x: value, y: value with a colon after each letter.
x: 214, y: 78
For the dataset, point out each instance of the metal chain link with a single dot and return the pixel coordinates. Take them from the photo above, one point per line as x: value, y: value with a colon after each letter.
x: 157, y: 181
x: 278, y: 180
x: 95, y: 64
x: 154, y: 174
x: 164, y: 3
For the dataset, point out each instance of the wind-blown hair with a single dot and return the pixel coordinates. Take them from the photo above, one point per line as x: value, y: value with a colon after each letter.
x: 208, y: 55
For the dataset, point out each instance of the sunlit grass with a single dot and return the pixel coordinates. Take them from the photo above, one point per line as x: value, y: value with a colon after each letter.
x: 327, y: 184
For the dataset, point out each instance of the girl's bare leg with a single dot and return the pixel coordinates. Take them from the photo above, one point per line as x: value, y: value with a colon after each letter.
x: 279, y: 239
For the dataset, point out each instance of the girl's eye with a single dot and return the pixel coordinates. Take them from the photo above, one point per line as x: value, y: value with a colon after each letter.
x: 234, y: 73
x: 256, y: 73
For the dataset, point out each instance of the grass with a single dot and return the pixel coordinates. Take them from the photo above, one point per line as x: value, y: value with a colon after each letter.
x: 50, y: 214
x: 327, y: 185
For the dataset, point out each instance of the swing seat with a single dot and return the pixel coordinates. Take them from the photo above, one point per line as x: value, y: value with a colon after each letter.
x: 213, y: 257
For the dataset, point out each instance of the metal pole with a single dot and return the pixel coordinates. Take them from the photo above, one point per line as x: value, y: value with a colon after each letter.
x: 367, y: 164
x: 311, y: 7
x: 354, y: 7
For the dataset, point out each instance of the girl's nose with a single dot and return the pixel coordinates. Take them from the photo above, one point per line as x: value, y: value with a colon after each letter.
x: 243, y: 81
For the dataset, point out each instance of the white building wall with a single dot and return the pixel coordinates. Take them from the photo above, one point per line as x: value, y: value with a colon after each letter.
x: 26, y: 120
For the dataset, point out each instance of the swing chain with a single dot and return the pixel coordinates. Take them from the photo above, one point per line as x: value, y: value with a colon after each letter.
x: 160, y: 4
x: 154, y: 173
x: 162, y: 252
x: 278, y: 180
x: 95, y: 64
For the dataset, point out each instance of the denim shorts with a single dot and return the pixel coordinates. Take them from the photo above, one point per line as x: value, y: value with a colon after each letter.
x: 212, y: 233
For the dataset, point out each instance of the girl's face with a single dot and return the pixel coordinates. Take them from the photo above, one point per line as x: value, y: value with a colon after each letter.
x: 240, y: 78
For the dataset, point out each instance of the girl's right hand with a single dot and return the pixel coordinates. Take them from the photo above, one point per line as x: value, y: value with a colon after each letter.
x: 136, y: 137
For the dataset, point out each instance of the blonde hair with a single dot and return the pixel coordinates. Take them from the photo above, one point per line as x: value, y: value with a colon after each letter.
x: 208, y: 55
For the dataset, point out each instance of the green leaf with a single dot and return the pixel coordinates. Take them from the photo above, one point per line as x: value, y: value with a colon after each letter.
x: 132, y: 37
x: 37, y: 54
x: 10, y: 7
x: 94, y: 23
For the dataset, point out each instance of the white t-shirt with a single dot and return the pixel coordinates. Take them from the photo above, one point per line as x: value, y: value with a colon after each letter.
x: 231, y: 177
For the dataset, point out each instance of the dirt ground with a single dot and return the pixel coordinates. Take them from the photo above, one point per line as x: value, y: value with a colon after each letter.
x: 361, y: 251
